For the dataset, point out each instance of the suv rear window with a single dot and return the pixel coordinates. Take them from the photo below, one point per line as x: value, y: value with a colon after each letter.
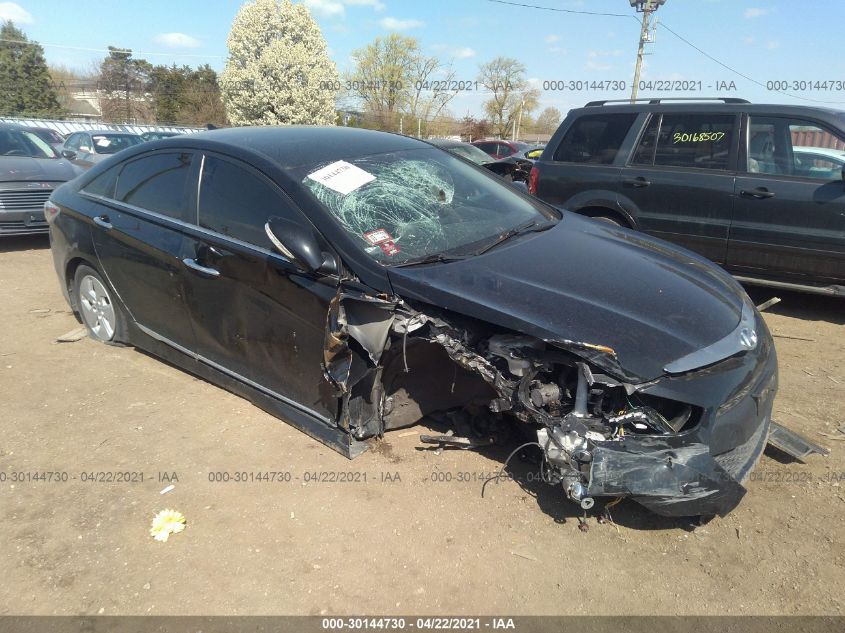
x: 703, y: 141
x: 594, y: 139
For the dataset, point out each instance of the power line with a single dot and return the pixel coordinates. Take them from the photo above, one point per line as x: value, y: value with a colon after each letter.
x: 107, y: 51
x: 740, y: 74
x: 559, y: 10
x: 680, y: 37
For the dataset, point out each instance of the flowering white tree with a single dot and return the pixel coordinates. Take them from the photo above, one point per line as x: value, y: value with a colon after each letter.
x: 278, y: 71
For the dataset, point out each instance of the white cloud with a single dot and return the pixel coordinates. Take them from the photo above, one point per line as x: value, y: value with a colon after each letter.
x: 613, y: 53
x: 755, y: 12
x: 593, y: 65
x: 325, y: 8
x: 395, y: 24
x: 337, y: 8
x: 177, y: 40
x: 549, y: 39
x: 15, y: 12
x: 377, y: 5
x: 463, y: 53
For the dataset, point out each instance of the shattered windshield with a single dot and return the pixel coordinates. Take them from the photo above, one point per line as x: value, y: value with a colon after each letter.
x: 415, y: 204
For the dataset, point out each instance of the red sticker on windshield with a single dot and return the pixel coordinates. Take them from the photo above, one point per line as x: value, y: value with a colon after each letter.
x: 377, y: 237
x: 389, y: 247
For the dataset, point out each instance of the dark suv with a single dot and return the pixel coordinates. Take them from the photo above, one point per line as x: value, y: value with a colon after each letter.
x: 756, y: 188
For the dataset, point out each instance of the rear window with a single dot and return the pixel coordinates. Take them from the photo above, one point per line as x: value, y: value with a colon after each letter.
x: 594, y: 139
x: 703, y: 141
x: 113, y: 143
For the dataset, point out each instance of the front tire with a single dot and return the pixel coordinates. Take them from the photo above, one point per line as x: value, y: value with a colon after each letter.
x: 94, y: 300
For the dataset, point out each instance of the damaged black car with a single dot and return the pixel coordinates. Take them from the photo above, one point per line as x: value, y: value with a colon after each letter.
x: 353, y: 282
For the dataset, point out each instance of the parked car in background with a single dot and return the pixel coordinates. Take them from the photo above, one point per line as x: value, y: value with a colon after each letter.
x: 88, y: 148
x: 498, y: 148
x: 509, y: 168
x: 353, y: 282
x: 755, y: 188
x: 29, y: 171
x: 49, y: 135
x: 819, y: 162
x: 155, y: 136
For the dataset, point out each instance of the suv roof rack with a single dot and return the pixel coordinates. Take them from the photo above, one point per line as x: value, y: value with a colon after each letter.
x: 662, y: 99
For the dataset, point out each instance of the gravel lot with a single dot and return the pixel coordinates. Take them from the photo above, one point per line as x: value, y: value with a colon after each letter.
x: 401, y: 542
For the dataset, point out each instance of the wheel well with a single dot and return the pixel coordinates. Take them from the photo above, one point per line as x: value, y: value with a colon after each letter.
x: 593, y: 212
x: 70, y: 273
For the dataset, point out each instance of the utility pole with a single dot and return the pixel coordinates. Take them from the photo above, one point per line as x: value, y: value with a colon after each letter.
x: 647, y: 8
x: 519, y: 120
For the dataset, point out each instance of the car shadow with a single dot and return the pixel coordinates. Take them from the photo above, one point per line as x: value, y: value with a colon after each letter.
x: 15, y: 243
x: 801, y: 305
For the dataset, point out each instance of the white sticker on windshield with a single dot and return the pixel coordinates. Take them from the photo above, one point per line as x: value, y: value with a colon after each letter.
x: 342, y: 177
x: 102, y: 141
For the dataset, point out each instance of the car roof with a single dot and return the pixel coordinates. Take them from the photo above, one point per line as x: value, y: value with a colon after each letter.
x: 12, y: 126
x: 715, y: 105
x: 446, y: 142
x: 108, y: 132
x: 294, y: 146
x: 826, y: 151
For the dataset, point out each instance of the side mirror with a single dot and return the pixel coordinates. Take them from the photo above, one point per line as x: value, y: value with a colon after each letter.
x: 299, y: 245
x: 69, y: 154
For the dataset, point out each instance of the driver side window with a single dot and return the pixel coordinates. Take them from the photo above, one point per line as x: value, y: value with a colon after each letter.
x: 73, y: 142
x: 237, y: 202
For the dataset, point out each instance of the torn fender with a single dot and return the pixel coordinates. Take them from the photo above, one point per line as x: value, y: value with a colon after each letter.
x: 365, y: 318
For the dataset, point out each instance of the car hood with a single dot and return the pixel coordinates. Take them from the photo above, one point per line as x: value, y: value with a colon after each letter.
x: 589, y: 282
x: 21, y: 168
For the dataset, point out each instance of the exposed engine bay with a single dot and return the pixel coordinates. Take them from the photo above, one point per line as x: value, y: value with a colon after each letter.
x: 600, y: 434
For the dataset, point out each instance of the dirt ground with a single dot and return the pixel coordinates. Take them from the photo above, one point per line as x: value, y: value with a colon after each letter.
x: 416, y: 537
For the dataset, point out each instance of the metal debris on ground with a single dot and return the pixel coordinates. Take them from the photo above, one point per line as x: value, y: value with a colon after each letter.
x: 74, y: 335
x: 167, y: 489
x: 793, y: 444
x: 768, y: 304
x: 794, y: 338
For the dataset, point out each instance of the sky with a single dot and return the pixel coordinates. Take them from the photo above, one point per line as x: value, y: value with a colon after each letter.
x: 572, y: 57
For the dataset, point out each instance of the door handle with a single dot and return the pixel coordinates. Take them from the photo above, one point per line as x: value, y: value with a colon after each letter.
x: 759, y: 193
x: 103, y: 221
x: 639, y: 181
x: 192, y: 263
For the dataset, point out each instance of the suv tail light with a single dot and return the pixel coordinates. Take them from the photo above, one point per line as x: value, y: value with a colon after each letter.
x: 533, y: 177
x: 51, y: 210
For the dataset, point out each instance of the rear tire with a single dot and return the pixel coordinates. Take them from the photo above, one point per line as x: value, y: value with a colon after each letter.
x: 94, y: 299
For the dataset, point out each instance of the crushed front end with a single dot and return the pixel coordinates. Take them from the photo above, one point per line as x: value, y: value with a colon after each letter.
x: 681, y: 444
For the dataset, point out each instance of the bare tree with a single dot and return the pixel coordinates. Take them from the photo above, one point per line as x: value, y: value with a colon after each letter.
x: 547, y: 121
x: 511, y: 96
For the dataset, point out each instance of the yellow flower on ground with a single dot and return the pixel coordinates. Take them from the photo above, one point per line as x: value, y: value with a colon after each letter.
x: 165, y: 523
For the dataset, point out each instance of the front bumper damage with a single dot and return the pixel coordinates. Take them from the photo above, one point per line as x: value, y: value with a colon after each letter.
x: 680, y: 445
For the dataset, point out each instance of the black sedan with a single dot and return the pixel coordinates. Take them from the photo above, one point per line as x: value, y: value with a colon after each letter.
x: 353, y: 282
